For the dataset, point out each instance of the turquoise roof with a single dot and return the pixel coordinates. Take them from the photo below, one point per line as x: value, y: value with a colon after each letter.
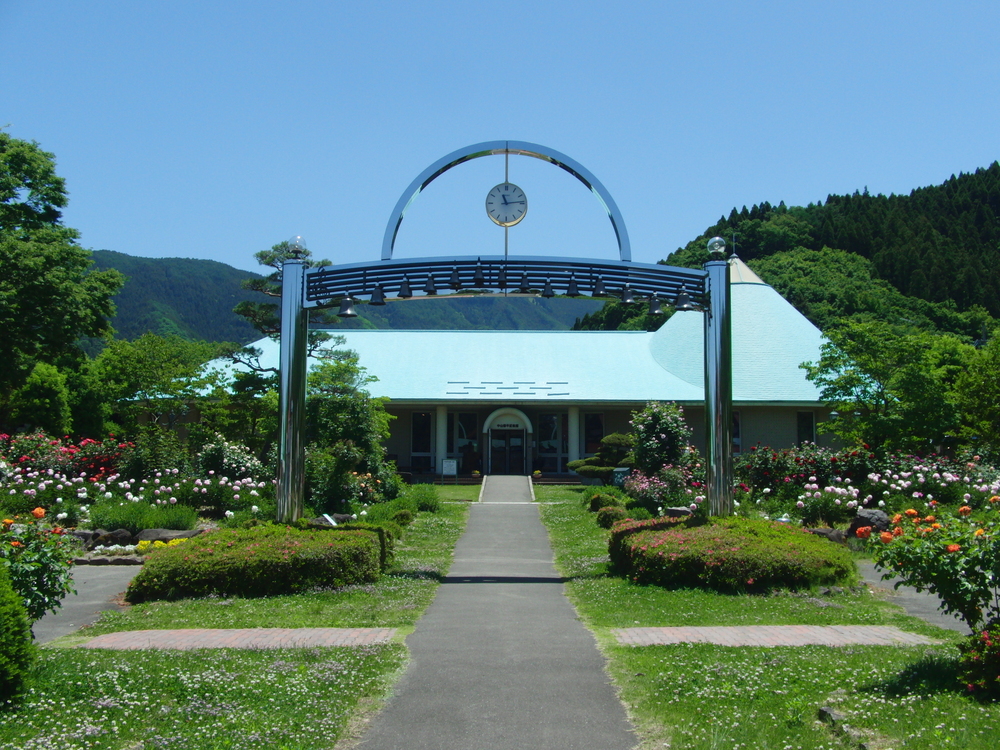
x: 770, y: 340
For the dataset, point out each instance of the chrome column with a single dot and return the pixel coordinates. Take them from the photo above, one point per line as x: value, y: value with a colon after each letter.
x: 718, y: 383
x: 292, y: 389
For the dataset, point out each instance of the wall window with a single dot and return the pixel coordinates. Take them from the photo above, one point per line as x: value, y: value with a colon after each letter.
x: 593, y: 432
x: 420, y: 432
x: 806, y: 423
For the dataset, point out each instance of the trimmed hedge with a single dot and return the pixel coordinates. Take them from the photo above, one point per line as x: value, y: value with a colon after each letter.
x: 729, y: 555
x: 608, y: 517
x: 260, y: 561
x: 386, y: 531
x: 17, y: 652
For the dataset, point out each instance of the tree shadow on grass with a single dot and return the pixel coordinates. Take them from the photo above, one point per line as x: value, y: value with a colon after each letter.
x: 932, y: 674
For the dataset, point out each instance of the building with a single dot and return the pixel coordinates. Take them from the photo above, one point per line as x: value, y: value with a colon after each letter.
x: 511, y: 402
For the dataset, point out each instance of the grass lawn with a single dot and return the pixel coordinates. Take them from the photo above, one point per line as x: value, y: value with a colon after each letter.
x: 704, y: 696
x: 227, y: 698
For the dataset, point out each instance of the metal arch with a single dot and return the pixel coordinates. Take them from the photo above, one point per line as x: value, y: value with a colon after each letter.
x: 522, y: 148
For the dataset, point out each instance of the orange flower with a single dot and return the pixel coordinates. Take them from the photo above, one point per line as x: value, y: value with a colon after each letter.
x: 995, y: 498
x: 38, y: 512
x: 930, y: 519
x: 897, y: 518
x: 935, y: 526
x: 16, y: 544
x: 886, y: 537
x: 864, y: 532
x: 964, y: 510
x: 8, y: 522
x: 979, y: 532
x: 911, y: 513
x: 953, y: 548
x: 898, y: 531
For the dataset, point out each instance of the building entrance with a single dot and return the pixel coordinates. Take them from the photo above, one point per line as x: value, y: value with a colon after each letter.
x: 506, y: 452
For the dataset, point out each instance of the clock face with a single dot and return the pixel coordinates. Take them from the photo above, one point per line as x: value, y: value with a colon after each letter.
x: 506, y: 204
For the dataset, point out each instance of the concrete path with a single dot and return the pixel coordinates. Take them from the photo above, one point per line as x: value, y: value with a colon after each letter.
x: 499, y: 660
x: 773, y: 635
x: 917, y: 603
x: 193, y: 638
x: 97, y: 586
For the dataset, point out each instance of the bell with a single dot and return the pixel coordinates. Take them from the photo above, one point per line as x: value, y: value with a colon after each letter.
x: 455, y: 282
x: 654, y: 306
x: 525, y: 287
x: 378, y: 296
x: 627, y: 297
x: 683, y: 303
x: 502, y: 279
x: 429, y: 287
x: 548, y: 291
x: 599, y: 289
x: 572, y: 289
x: 347, y: 307
x: 478, y: 279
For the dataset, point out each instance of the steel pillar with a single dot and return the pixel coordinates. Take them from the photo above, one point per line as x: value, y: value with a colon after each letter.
x: 718, y: 383
x: 292, y: 392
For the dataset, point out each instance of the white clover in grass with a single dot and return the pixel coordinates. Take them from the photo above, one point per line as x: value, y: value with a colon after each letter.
x: 254, y: 509
x: 229, y: 514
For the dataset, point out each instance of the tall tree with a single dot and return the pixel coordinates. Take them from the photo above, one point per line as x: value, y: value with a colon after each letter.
x: 49, y: 298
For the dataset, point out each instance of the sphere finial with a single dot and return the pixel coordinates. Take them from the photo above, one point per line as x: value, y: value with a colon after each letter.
x: 717, y: 247
x: 297, y: 247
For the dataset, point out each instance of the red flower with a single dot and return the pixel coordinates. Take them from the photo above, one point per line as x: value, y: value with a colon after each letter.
x: 953, y: 548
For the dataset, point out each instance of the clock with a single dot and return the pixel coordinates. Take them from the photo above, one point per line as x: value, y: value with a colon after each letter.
x: 506, y: 204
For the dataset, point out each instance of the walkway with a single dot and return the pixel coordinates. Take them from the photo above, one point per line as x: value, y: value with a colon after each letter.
x: 774, y: 635
x: 500, y: 660
x: 192, y: 638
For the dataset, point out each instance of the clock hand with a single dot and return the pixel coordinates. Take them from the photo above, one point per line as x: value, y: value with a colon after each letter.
x: 504, y: 198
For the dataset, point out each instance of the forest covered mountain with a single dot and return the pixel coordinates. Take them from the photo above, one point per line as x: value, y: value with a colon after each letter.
x: 930, y: 259
x: 194, y: 299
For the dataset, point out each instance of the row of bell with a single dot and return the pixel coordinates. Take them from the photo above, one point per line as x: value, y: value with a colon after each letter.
x: 682, y: 304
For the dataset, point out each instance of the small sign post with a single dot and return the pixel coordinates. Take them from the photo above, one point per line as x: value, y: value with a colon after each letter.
x: 449, y: 468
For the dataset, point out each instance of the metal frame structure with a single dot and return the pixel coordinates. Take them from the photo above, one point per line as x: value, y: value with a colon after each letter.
x: 685, y: 288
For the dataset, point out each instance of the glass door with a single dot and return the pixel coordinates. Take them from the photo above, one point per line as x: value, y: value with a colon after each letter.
x: 507, y: 452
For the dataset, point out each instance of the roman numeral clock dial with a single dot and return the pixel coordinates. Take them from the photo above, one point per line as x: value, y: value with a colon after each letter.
x: 506, y: 204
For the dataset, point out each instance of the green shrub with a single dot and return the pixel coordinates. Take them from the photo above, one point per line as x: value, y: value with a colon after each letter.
x: 386, y: 531
x: 403, y: 517
x: 425, y: 496
x: 39, y: 561
x: 638, y: 513
x: 17, y: 652
x: 605, y: 500
x: 261, y: 561
x: 384, y: 511
x: 979, y: 668
x: 661, y: 436
x: 155, y: 450
x: 227, y: 459
x: 609, y: 516
x: 136, y: 516
x: 733, y: 555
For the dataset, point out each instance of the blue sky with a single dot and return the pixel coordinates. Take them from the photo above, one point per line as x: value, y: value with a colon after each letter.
x: 215, y: 129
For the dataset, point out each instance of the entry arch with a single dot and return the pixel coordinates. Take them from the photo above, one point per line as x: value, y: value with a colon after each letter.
x: 512, y: 411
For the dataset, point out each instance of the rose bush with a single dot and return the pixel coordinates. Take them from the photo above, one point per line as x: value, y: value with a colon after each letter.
x: 955, y: 555
x: 39, y: 559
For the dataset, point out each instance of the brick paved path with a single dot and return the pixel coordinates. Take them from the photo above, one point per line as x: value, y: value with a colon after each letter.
x: 193, y: 638
x: 774, y: 635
